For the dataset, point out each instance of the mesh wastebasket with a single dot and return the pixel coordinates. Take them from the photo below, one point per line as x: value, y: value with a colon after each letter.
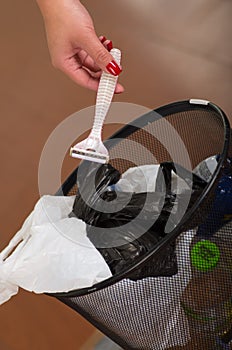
x: 193, y: 308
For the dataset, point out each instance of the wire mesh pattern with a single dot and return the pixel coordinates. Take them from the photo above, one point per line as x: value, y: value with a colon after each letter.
x: 192, y: 309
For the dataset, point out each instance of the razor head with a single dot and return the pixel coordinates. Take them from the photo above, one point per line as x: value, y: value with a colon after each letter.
x: 90, y: 155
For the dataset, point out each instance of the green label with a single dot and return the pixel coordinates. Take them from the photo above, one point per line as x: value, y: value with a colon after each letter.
x: 205, y: 255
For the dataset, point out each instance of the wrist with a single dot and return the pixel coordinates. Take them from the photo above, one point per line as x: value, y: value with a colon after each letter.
x: 50, y: 7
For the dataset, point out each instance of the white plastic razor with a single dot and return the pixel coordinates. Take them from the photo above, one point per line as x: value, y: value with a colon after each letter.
x: 92, y: 148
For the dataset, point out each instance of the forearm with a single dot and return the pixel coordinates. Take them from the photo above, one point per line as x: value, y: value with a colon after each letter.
x: 73, y: 43
x: 49, y: 8
x: 45, y: 6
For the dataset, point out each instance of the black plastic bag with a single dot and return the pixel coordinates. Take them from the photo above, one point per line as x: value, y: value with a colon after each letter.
x: 124, y: 226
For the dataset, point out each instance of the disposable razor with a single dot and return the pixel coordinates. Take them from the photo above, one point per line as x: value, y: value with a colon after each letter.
x: 92, y: 148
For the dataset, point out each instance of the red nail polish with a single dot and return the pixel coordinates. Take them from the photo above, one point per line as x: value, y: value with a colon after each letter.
x: 109, y: 46
x: 113, y: 68
x: 103, y: 39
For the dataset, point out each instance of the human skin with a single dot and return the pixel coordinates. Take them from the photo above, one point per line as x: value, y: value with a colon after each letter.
x: 74, y: 45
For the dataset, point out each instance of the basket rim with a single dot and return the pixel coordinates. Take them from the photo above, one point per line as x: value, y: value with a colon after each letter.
x: 160, y: 112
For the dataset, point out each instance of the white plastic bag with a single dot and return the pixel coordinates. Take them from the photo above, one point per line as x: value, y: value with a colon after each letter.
x: 143, y: 179
x: 52, y: 253
x: 139, y: 179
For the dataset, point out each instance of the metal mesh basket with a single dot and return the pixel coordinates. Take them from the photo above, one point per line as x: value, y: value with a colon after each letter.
x: 186, y: 310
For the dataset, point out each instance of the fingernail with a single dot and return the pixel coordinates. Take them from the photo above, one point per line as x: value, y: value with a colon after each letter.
x: 103, y: 39
x: 109, y: 46
x: 113, y: 68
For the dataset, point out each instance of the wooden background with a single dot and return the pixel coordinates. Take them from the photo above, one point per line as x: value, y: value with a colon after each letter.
x: 172, y: 50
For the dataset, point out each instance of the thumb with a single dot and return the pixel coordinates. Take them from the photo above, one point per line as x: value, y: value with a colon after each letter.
x: 101, y: 55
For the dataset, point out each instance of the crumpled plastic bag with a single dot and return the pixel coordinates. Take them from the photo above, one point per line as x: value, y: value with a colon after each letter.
x: 147, y: 178
x: 124, y: 222
x: 138, y: 179
x: 51, y: 253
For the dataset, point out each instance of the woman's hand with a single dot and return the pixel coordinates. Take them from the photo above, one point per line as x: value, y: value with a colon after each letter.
x: 73, y: 44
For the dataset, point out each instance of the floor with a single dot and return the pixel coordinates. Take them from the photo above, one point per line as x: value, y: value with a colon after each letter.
x: 172, y: 50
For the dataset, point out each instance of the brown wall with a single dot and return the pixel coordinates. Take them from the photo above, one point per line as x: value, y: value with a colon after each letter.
x: 172, y: 50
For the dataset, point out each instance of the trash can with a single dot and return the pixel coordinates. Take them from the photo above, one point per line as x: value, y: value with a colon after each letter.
x: 192, y: 309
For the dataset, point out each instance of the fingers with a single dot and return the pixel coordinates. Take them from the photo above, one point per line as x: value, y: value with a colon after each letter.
x: 100, y: 54
x: 87, y: 61
x: 84, y: 77
x: 119, y: 89
x: 83, y: 69
x: 107, y: 43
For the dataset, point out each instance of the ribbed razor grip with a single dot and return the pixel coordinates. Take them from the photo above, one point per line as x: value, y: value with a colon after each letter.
x: 104, y: 95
